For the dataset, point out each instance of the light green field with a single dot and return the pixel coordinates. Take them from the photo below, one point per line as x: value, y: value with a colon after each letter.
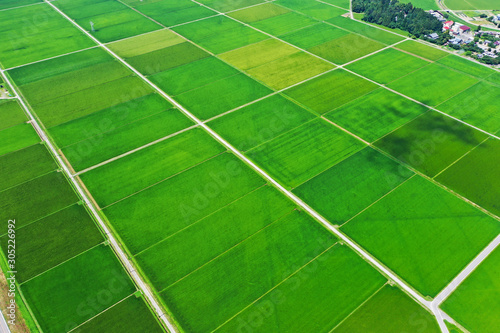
x: 11, y: 114
x: 257, y: 13
x: 475, y: 304
x: 426, y: 84
x: 112, y: 182
x: 471, y: 4
x: 375, y: 67
x: 390, y: 311
x: 179, y: 255
x: 166, y: 58
x: 95, y: 125
x: 52, y: 240
x: 315, y: 299
x: 180, y: 201
x: 95, y: 279
x: 331, y: 90
x: 131, y: 315
x: 229, y: 5
x: 24, y: 164
x: 431, y: 142
x: 347, y: 48
x: 247, y: 271
x: 284, y: 23
x: 466, y: 66
x: 35, y: 199
x: 94, y: 150
x: 476, y: 176
x: 17, y: 137
x: 302, y: 153
x: 313, y: 35
x: 193, y: 75
x: 373, y: 115
x: 366, y: 30
x: 258, y: 54
x: 27, y: 40
x: 171, y: 13
x: 223, y: 95
x: 289, y: 70
x: 422, y: 50
x: 477, y: 106
x: 142, y: 44
x: 423, y: 233
x: 350, y: 186
x: 260, y: 122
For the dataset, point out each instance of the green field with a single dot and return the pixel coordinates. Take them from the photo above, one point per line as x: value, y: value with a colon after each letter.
x: 314, y: 299
x: 475, y: 304
x: 173, y: 258
x: 350, y: 186
x: 476, y: 176
x: 11, y: 114
x: 182, y: 200
x: 477, y: 106
x: 340, y: 3
x: 169, y: 13
x: 110, y: 183
x: 284, y: 23
x: 423, y: 233
x: 94, y: 281
x: 389, y: 311
x: 24, y: 164
x: 466, y: 66
x: 17, y: 137
x: 426, y: 84
x: 375, y: 68
x: 422, y: 50
x: 17, y: 3
x: 313, y: 35
x: 316, y: 10
x: 305, y: 151
x: 366, y: 30
x: 260, y: 122
x: 223, y: 95
x: 28, y: 38
x: 331, y: 90
x: 52, y: 240
x: 248, y: 271
x: 257, y: 13
x: 373, y: 115
x: 229, y: 5
x: 471, y: 4
x: 146, y: 43
x: 431, y: 142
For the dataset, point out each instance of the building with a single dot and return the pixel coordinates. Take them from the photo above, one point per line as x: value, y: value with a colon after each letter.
x: 456, y: 41
x: 433, y: 36
x: 464, y: 29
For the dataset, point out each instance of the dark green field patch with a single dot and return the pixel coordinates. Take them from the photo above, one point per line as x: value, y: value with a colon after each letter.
x: 25, y: 164
x: 375, y: 67
x: 476, y: 176
x: 331, y: 90
x: 17, y: 3
x: 17, y: 137
x: 103, y: 121
x: 246, y: 272
x: 181, y: 200
x: 373, y: 115
x: 475, y: 304
x: 169, y: 57
x: 313, y: 35
x: 348, y: 187
x: 11, y: 114
x: 260, y: 122
x: 111, y: 182
x: 131, y: 315
x: 35, y: 199
x: 314, y: 299
x: 94, y: 150
x: 477, y: 106
x: 52, y: 240
x: 93, y: 281
x: 193, y: 75
x: 389, y: 311
x: 223, y: 95
x: 284, y: 23
x: 423, y: 233
x: 346, y: 48
x: 302, y: 153
x: 431, y: 142
x: 179, y: 255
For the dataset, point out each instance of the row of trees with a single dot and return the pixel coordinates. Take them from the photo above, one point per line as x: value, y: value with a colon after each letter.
x: 396, y: 15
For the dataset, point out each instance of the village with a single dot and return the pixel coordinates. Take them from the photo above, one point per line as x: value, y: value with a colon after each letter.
x: 483, y: 45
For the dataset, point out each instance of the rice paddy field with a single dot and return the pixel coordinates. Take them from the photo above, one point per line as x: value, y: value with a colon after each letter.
x: 242, y: 166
